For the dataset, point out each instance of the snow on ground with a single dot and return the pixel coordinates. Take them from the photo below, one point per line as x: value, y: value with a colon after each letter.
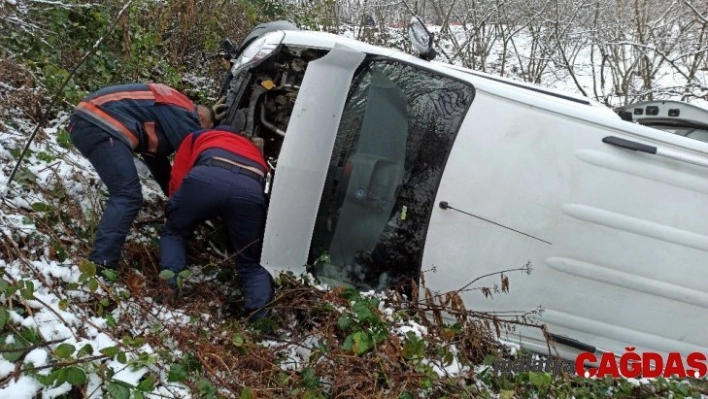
x: 51, y: 164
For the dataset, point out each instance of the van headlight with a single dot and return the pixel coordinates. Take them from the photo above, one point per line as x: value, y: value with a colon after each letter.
x: 260, y: 48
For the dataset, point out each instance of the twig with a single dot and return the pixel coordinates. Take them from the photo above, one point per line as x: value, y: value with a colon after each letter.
x: 148, y: 221
x: 29, y: 348
x: 525, y: 268
x: 215, y: 374
x: 55, y: 313
x: 64, y: 364
x: 49, y: 166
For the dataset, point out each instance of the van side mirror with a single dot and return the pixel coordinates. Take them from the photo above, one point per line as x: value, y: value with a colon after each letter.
x: 625, y: 115
x: 421, y: 39
x: 228, y: 49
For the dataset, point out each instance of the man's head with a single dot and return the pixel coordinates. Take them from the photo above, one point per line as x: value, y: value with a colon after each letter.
x: 206, y: 117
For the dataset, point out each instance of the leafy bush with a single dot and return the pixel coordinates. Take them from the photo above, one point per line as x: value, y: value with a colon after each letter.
x: 152, y: 41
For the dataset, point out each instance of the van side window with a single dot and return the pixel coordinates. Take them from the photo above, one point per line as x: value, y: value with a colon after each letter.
x: 397, y: 129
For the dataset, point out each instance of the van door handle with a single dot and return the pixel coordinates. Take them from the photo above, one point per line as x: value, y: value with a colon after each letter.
x: 628, y: 144
x: 573, y: 343
x: 676, y: 155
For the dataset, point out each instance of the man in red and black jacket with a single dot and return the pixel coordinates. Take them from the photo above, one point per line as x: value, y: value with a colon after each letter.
x: 112, y: 124
x: 218, y: 172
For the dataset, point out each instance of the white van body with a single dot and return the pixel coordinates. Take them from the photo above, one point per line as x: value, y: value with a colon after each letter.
x: 617, y: 238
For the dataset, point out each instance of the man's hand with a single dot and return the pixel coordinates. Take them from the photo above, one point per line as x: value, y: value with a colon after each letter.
x: 220, y: 108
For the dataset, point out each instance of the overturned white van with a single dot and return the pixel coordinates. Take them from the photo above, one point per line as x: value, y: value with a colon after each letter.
x: 388, y: 165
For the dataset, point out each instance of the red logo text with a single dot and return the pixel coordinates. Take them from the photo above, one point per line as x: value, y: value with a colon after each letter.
x: 642, y: 365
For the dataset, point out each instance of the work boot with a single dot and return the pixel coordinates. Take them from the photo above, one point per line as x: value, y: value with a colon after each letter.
x: 169, y: 293
x: 264, y: 312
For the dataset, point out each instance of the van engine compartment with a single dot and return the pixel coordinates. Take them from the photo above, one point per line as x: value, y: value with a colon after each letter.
x: 261, y: 97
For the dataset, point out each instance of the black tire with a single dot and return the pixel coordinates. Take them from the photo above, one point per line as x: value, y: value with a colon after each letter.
x: 235, y: 117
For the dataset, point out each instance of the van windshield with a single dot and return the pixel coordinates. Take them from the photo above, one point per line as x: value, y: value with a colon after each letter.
x: 397, y: 129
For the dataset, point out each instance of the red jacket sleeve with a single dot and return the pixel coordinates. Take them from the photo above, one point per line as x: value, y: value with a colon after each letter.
x: 182, y: 163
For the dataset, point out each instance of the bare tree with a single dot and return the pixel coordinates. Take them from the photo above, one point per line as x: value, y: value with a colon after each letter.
x: 616, y: 51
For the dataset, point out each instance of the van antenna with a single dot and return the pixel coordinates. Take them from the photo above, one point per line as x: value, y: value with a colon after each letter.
x: 445, y: 205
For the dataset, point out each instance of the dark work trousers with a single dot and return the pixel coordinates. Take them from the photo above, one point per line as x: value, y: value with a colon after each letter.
x: 210, y: 191
x: 114, y: 163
